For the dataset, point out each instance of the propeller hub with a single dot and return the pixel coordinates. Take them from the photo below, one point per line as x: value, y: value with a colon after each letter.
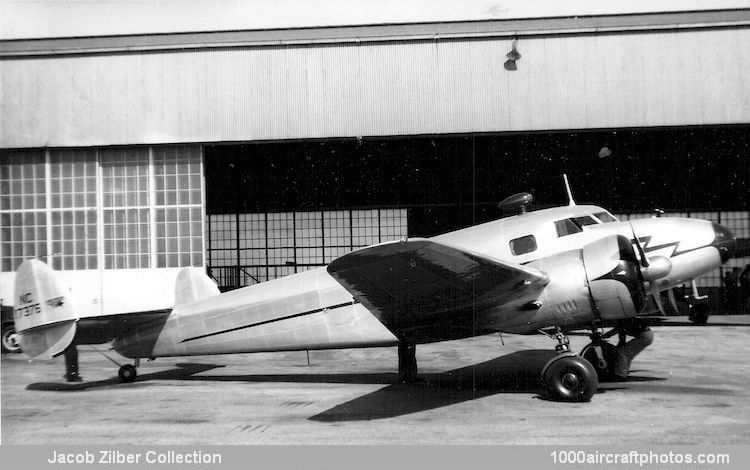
x: 658, y: 267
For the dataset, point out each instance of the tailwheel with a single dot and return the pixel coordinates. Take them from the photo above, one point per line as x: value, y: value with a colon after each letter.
x: 569, y: 377
x: 603, y: 357
x: 127, y: 373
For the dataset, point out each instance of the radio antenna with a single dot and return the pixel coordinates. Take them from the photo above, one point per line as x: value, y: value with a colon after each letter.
x: 567, y: 189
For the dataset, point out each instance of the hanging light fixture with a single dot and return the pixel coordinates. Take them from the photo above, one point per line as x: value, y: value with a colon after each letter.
x: 512, y: 56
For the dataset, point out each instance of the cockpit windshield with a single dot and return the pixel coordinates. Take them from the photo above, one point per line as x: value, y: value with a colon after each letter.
x: 573, y: 225
x: 584, y: 220
x: 605, y: 217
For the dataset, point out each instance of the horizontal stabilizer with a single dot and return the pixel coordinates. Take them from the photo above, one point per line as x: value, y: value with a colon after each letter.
x: 44, y: 313
x: 193, y: 284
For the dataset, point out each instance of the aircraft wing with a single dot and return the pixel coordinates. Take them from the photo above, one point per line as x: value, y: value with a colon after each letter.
x: 416, y: 283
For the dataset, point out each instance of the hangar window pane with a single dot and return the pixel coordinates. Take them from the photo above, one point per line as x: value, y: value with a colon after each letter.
x: 73, y: 178
x: 126, y: 239
x: 23, y: 235
x: 738, y: 222
x: 393, y: 224
x: 252, y: 231
x: 280, y: 230
x: 74, y: 244
x: 308, y: 234
x: 125, y: 177
x: 179, y: 237
x: 272, y: 244
x: 523, y: 245
x: 337, y: 234
x: 365, y: 228
x: 22, y: 180
x: 177, y: 175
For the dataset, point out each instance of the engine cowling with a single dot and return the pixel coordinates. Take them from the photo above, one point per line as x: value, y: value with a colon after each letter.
x: 614, y: 278
x: 601, y: 281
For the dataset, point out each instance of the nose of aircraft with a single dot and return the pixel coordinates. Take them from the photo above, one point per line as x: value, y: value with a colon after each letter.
x: 724, y: 241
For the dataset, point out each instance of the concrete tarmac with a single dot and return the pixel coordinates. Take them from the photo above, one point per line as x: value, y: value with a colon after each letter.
x: 689, y: 387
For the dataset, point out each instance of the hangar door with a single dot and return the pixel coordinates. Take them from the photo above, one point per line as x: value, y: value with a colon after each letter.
x: 106, y: 218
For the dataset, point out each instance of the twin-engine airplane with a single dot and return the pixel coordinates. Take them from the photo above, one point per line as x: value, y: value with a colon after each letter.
x: 555, y: 270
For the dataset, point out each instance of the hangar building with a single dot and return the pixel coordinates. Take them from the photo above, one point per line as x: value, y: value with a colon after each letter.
x: 262, y: 152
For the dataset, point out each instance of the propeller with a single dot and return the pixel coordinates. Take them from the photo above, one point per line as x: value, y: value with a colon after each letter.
x: 652, y: 269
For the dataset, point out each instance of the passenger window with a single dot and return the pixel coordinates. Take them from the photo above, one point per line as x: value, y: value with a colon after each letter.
x: 566, y: 227
x: 523, y: 245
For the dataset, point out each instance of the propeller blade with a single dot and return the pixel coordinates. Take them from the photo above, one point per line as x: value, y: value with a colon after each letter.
x: 672, y: 299
x: 657, y: 299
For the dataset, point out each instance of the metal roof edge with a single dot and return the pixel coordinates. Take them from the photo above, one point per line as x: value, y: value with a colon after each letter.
x: 377, y: 33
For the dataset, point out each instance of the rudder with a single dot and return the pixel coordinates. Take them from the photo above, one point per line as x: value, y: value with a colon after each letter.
x: 44, y: 314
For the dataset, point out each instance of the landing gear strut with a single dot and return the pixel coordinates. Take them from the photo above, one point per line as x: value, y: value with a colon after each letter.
x: 407, y: 362
x: 602, y: 355
x: 568, y: 377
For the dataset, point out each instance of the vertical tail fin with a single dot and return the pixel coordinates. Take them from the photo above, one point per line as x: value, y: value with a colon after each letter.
x: 43, y: 313
x: 193, y: 284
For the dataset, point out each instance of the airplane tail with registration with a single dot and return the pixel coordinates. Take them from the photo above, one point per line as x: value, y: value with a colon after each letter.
x: 44, y: 312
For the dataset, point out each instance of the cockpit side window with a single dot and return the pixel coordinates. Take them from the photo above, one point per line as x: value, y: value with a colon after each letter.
x: 523, y: 245
x: 605, y: 217
x: 566, y: 227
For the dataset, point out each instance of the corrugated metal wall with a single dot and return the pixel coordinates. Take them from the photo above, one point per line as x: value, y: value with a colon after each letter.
x: 667, y: 78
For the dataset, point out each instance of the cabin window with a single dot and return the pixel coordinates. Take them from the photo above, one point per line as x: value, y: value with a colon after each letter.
x: 566, y: 227
x: 523, y: 245
x: 605, y: 217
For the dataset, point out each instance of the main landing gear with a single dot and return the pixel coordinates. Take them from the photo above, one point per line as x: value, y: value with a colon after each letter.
x: 602, y: 355
x: 407, y: 362
x: 568, y: 377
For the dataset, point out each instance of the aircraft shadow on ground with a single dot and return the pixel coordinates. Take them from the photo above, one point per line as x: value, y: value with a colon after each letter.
x: 183, y: 371
x: 518, y: 372
x: 707, y: 325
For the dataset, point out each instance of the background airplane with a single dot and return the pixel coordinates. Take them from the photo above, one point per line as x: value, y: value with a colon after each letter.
x: 552, y: 271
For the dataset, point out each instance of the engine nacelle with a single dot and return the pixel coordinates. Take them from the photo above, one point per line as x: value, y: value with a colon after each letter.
x: 601, y: 281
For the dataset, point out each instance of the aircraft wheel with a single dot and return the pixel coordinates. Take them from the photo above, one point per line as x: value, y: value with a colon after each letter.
x: 604, y: 371
x: 10, y: 339
x: 127, y: 373
x: 570, y: 378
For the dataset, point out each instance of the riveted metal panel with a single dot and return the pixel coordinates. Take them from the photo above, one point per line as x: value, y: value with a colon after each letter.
x: 655, y: 78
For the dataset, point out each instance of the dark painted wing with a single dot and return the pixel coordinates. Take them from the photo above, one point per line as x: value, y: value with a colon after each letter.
x: 409, y: 284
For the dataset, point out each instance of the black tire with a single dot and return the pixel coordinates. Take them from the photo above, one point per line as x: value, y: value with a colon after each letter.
x: 699, y: 314
x: 10, y: 339
x: 571, y: 379
x: 604, y: 372
x: 127, y: 373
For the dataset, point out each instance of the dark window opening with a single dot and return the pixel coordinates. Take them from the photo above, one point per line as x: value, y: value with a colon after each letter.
x: 584, y: 220
x: 567, y: 227
x: 523, y: 245
x: 605, y: 217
